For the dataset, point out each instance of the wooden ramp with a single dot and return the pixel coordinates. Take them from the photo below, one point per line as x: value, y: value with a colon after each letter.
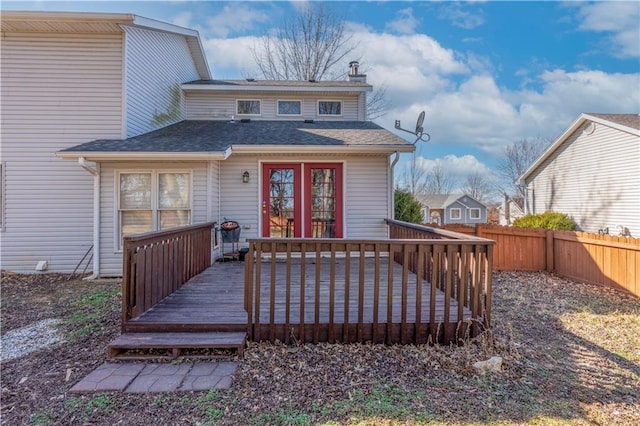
x: 173, y: 345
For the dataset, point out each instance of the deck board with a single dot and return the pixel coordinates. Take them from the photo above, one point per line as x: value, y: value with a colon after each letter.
x: 214, y: 299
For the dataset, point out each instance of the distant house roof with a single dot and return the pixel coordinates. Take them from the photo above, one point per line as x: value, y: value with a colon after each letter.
x: 102, y: 23
x: 629, y: 123
x: 277, y: 85
x: 219, y: 139
x: 442, y: 201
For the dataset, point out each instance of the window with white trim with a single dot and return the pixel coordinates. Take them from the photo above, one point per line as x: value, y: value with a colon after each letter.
x: 288, y: 107
x: 153, y: 200
x: 248, y: 107
x: 455, y: 213
x: 329, y: 107
x: 425, y: 215
x: 474, y: 213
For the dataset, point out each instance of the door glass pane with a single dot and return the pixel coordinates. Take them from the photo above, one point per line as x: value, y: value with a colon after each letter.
x: 281, y: 203
x: 323, y: 203
x: 135, y: 191
x: 174, y: 190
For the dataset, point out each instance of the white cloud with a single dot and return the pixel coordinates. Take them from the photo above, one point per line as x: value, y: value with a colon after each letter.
x: 235, y: 18
x: 618, y: 18
x: 183, y: 19
x: 405, y: 22
x: 459, y: 17
x: 229, y: 56
x: 457, y: 167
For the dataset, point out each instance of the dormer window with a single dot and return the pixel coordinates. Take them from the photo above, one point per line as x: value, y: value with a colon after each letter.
x: 329, y: 107
x: 248, y: 107
x: 288, y: 107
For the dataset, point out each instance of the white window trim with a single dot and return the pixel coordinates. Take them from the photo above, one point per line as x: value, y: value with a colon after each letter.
x: 329, y: 115
x: 473, y: 210
x: 288, y: 100
x: 425, y: 215
x: 117, y: 238
x: 250, y: 100
x: 459, y: 210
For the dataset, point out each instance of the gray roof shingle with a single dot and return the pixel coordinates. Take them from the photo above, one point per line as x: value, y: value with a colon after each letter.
x: 217, y: 136
x: 278, y: 83
x: 629, y: 120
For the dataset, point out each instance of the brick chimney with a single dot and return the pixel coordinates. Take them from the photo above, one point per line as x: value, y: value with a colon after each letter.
x: 354, y: 76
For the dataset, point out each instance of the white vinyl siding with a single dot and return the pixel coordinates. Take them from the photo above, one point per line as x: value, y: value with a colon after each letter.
x: 222, y: 105
x: 57, y: 91
x: 366, y: 195
x: 593, y: 178
x: 110, y: 255
x: 157, y: 64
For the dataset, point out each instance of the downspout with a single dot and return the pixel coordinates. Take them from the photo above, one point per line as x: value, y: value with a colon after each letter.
x: 96, y: 216
x: 392, y: 210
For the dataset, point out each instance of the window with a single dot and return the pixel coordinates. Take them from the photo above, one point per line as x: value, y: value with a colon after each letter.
x: 329, y: 108
x: 455, y: 214
x: 474, y: 213
x: 425, y: 215
x: 289, y: 107
x: 150, y: 201
x: 248, y: 107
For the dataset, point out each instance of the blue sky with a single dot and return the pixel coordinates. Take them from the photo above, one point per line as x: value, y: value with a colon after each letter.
x: 486, y: 73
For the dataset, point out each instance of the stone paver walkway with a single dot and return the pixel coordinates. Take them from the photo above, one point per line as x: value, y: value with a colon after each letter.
x: 145, y: 377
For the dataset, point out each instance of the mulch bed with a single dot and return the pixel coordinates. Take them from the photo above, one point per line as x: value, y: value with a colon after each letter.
x: 561, y: 365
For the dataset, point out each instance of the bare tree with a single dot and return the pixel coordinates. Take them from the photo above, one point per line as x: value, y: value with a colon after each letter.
x: 312, y: 45
x: 439, y: 181
x: 516, y: 160
x: 477, y: 186
x: 415, y: 177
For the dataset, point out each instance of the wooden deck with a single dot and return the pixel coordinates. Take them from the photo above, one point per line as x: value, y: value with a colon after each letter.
x: 214, y: 299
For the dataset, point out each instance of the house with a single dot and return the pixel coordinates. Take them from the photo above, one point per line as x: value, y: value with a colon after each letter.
x: 69, y: 78
x: 510, y: 209
x: 444, y: 209
x: 155, y: 143
x: 591, y: 172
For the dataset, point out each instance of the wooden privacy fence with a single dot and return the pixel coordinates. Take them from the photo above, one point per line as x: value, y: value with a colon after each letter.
x: 156, y: 264
x: 391, y: 291
x: 593, y: 258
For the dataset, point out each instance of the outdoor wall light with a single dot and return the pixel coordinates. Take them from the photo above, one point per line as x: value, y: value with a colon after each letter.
x: 245, y: 177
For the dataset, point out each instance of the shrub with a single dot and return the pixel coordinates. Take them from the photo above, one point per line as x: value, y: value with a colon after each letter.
x: 547, y: 220
x: 406, y: 208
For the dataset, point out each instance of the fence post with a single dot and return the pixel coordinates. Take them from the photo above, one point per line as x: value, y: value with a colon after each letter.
x: 549, y: 251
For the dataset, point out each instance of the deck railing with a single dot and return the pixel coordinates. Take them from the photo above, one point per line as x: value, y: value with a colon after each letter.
x: 426, y: 287
x: 156, y: 264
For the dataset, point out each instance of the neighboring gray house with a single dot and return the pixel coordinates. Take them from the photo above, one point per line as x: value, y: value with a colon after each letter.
x: 156, y: 143
x: 592, y: 173
x: 452, y: 208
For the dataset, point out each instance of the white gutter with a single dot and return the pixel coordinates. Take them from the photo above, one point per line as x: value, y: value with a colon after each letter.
x: 96, y: 216
x: 274, y: 88
x: 392, y: 210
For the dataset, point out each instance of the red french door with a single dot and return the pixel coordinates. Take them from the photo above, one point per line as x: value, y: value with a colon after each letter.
x: 283, y: 209
x: 281, y: 200
x: 323, y: 200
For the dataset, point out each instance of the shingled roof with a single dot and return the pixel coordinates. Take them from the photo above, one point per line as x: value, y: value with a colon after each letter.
x: 629, y: 120
x: 220, y: 136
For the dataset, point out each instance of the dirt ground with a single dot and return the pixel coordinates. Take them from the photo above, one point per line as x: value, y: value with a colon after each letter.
x: 571, y: 355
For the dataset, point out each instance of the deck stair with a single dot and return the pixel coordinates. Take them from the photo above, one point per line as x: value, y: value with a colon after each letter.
x: 145, y: 346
